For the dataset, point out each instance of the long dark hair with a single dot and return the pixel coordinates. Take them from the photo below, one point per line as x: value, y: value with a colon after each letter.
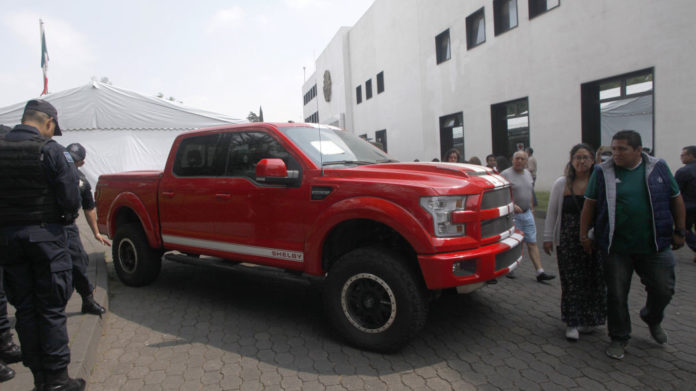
x: 570, y: 173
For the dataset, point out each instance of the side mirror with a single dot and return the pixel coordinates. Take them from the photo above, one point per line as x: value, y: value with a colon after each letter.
x: 274, y: 171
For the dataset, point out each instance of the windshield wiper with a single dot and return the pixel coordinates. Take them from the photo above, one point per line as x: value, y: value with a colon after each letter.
x: 346, y: 162
x: 387, y: 161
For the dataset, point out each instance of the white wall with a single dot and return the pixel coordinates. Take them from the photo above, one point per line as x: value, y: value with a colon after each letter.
x: 335, y: 58
x: 545, y: 59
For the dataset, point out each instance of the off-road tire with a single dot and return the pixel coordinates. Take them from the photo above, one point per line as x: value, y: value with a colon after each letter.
x: 136, y: 263
x: 375, y: 300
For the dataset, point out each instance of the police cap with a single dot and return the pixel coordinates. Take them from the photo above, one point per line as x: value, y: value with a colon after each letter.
x: 77, y: 151
x: 42, y: 106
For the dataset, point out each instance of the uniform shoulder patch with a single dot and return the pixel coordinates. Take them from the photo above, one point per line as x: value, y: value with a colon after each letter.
x: 68, y: 157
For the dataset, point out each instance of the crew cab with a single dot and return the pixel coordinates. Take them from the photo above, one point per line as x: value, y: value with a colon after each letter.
x: 381, y: 237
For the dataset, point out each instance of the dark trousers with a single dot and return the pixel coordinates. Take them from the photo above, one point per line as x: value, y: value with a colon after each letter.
x: 656, y: 272
x: 80, y: 261
x: 38, y: 283
x: 690, y: 228
x: 4, y: 320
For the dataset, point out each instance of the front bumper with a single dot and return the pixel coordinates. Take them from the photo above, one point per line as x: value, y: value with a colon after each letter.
x: 473, y: 266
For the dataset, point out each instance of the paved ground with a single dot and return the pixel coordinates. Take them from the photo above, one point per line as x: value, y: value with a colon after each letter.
x: 201, y: 329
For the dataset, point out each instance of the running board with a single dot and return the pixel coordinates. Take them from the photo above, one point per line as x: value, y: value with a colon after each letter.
x: 251, y: 269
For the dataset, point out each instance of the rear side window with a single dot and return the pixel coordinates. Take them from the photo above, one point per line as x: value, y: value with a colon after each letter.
x: 201, y: 156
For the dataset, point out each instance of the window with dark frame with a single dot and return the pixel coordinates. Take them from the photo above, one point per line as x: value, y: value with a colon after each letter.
x: 442, y: 46
x: 452, y: 134
x: 510, y: 126
x: 504, y: 15
x: 381, y: 138
x: 380, y: 82
x: 314, y: 118
x: 538, y: 7
x: 311, y: 93
x: 616, y: 103
x: 368, y: 89
x: 201, y: 156
x: 358, y: 94
x: 475, y: 29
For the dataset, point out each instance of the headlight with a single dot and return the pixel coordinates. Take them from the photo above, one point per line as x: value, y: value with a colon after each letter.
x: 441, y: 208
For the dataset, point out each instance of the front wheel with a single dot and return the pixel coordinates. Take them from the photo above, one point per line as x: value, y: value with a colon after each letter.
x: 374, y: 300
x: 136, y: 263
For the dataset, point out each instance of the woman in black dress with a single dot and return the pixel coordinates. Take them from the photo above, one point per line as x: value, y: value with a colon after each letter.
x: 583, y: 291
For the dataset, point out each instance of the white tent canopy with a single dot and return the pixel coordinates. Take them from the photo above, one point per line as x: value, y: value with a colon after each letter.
x: 121, y: 130
x: 631, y: 113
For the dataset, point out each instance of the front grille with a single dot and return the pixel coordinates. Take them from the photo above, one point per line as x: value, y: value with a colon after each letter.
x: 507, y: 258
x: 496, y: 198
x: 496, y: 226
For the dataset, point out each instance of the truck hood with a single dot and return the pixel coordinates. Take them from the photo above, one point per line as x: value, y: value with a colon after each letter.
x: 441, y: 177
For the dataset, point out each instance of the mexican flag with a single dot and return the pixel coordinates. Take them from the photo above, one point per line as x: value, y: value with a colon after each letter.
x: 44, y: 58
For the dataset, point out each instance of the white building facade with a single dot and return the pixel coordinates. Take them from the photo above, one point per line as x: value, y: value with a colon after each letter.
x: 493, y: 76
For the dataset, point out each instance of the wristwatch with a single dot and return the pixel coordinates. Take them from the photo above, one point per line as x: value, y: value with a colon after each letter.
x: 680, y: 232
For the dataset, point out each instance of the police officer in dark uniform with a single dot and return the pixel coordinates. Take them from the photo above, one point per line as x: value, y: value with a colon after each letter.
x: 9, y: 352
x: 79, y: 256
x: 39, y: 197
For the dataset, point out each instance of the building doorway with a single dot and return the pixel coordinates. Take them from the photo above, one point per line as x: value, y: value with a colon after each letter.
x: 452, y: 134
x: 618, y: 103
x: 510, y: 127
x: 381, y: 138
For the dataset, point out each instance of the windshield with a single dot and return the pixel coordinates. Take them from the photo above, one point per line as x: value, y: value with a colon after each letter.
x: 335, y: 147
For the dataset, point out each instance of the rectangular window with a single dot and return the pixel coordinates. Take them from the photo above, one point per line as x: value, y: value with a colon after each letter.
x: 452, y: 135
x: 368, y: 89
x: 442, y: 46
x: 314, y: 118
x: 380, y: 82
x: 381, y: 139
x: 504, y: 15
x: 617, y: 103
x: 538, y: 7
x: 201, y: 156
x: 358, y: 94
x: 510, y: 126
x: 310, y: 94
x: 475, y: 29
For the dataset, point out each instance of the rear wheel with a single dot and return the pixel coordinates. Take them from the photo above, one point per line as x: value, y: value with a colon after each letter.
x: 375, y: 300
x: 135, y: 262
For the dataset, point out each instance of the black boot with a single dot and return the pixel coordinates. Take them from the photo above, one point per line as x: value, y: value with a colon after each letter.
x: 9, y: 351
x: 60, y: 381
x: 38, y: 379
x: 6, y: 373
x: 89, y: 306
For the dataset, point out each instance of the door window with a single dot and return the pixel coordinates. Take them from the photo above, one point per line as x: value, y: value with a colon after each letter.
x: 248, y: 148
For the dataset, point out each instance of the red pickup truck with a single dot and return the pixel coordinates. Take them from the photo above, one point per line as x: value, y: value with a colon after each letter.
x: 382, y: 237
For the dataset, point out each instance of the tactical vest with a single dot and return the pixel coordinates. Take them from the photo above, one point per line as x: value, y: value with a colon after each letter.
x: 26, y: 197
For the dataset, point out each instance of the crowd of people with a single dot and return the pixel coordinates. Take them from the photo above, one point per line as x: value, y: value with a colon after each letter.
x: 615, y: 211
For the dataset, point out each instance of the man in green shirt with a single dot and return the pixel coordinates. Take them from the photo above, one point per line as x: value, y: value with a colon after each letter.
x: 637, y: 212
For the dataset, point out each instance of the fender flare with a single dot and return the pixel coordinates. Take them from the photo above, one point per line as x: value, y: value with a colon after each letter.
x: 365, y: 208
x: 133, y: 202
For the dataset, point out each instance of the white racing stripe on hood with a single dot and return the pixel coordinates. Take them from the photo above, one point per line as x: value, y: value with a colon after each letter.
x: 495, y: 180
